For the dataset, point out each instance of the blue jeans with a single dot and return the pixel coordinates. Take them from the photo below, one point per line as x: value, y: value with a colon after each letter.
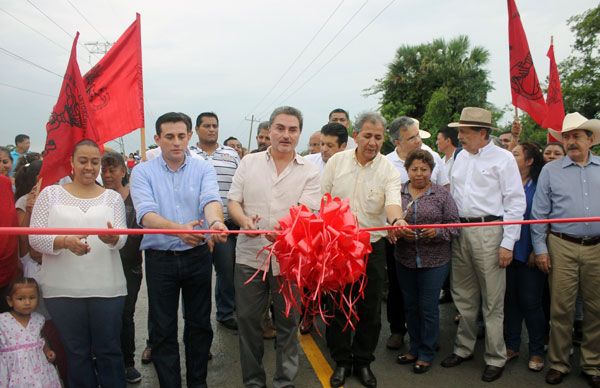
x: 224, y: 260
x: 523, y: 300
x: 167, y: 276
x: 86, y: 326
x: 421, y: 291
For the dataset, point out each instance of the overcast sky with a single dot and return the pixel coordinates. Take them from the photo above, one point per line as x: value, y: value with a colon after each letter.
x: 225, y: 56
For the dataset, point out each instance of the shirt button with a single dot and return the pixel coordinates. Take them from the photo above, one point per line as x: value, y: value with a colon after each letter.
x: 584, y: 193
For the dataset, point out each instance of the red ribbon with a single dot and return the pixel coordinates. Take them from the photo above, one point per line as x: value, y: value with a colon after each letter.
x: 319, y: 256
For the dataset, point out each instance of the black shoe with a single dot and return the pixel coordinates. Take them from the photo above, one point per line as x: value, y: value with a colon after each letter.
x: 554, y: 377
x: 420, y: 368
x: 403, y: 359
x: 365, y: 376
x: 454, y: 360
x: 230, y: 323
x: 338, y: 378
x: 147, y: 355
x: 592, y: 380
x: 492, y: 373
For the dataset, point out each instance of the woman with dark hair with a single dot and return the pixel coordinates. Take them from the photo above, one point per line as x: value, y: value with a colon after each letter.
x: 82, y: 276
x: 6, y: 161
x: 115, y: 177
x: 8, y: 244
x: 553, y: 151
x: 423, y: 257
x: 524, y: 281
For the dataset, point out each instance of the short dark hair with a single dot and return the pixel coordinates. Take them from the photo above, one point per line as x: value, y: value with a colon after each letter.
x: 26, y: 159
x: 230, y: 138
x: 556, y: 143
x: 505, y: 132
x: 263, y: 125
x: 337, y: 130
x: 20, y: 138
x: 85, y: 142
x: 26, y: 177
x: 206, y: 114
x: 450, y: 133
x: 421, y: 155
x: 339, y: 110
x: 173, y: 117
x: 287, y: 110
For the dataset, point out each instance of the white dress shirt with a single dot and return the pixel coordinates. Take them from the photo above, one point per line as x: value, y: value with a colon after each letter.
x: 317, y: 160
x: 489, y: 183
x: 438, y: 175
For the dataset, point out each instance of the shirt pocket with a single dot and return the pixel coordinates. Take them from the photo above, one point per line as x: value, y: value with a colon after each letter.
x: 375, y: 200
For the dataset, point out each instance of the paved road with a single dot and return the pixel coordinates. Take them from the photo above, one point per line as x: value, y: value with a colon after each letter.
x: 224, y: 369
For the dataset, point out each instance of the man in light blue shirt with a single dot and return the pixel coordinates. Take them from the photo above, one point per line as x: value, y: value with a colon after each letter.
x: 568, y: 188
x: 176, y: 191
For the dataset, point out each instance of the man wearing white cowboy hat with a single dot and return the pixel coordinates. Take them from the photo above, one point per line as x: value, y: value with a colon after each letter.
x: 486, y: 185
x: 569, y: 252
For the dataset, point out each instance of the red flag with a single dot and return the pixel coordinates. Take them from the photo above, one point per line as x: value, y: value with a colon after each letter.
x: 554, y: 99
x: 526, y: 90
x: 69, y: 123
x: 115, y: 87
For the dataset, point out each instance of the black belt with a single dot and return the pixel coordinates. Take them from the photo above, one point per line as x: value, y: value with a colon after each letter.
x: 178, y: 253
x: 468, y: 220
x: 578, y: 240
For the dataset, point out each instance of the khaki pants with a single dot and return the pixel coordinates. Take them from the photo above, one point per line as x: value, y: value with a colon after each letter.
x: 574, y: 267
x: 478, y: 280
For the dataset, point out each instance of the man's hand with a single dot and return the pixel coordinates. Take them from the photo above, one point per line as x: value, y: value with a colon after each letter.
x: 250, y: 223
x: 505, y: 256
x: 394, y: 234
x: 219, y: 237
x: 271, y: 237
x: 543, y: 262
x: 191, y: 239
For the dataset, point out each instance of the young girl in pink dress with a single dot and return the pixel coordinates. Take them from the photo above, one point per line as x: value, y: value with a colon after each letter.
x: 24, y: 356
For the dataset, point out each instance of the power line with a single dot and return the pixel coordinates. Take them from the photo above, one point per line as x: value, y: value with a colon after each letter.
x: 16, y: 56
x: 86, y: 19
x: 34, y: 30
x: 318, y: 55
x: 340, y: 51
x: 298, y: 56
x: 26, y: 90
x: 57, y: 25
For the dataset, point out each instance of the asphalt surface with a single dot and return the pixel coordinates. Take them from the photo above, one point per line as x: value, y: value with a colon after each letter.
x: 224, y: 369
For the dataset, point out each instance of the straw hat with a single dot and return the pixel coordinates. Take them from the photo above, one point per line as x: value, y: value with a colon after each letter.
x: 474, y: 117
x: 422, y: 133
x: 575, y: 121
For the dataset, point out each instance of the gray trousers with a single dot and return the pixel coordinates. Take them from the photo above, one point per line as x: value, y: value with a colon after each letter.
x: 477, y: 276
x: 251, y: 302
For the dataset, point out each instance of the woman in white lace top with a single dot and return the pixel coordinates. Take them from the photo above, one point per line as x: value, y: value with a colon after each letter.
x: 82, y: 276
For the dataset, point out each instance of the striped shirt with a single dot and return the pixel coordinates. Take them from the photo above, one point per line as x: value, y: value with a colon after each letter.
x: 225, y: 160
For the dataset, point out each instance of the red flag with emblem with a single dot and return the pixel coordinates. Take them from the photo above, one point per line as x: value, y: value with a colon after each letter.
x: 115, y: 86
x: 554, y: 99
x: 69, y: 123
x: 525, y: 87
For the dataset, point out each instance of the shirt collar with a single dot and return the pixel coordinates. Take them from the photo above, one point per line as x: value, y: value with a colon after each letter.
x: 594, y: 159
x: 297, y: 157
x: 163, y: 162
x: 432, y: 189
x: 371, y: 163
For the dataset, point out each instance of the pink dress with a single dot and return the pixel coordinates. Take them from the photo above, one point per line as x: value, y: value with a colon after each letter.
x: 22, y: 360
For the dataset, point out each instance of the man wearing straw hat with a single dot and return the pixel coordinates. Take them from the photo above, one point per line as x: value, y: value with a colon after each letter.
x: 486, y: 186
x: 571, y: 252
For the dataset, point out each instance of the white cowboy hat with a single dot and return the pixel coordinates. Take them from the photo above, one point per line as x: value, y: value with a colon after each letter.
x: 422, y: 133
x: 575, y: 121
x: 474, y: 117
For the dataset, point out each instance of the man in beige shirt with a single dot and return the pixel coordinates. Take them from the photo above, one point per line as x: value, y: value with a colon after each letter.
x: 264, y: 187
x: 373, y: 186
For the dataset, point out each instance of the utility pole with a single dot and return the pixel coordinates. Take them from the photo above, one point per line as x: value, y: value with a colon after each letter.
x: 102, y: 48
x: 252, y: 121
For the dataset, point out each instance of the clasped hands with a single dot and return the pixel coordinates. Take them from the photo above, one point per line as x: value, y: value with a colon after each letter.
x: 194, y: 240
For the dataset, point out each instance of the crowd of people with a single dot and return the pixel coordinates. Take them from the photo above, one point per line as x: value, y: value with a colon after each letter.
x: 70, y: 300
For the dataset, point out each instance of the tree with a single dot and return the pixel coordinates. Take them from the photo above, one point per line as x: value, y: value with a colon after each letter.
x: 434, y: 81
x: 580, y: 72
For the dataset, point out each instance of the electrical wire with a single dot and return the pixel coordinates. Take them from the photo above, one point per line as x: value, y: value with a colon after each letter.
x: 26, y: 90
x: 16, y: 56
x: 86, y: 19
x: 34, y: 30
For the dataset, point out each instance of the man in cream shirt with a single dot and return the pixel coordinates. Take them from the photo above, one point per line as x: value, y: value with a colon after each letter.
x: 373, y: 186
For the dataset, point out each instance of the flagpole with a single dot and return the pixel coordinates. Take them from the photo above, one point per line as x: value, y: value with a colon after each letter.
x: 143, y: 143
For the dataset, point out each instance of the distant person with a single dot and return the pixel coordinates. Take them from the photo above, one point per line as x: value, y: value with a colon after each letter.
x: 553, y: 151
x: 262, y: 137
x: 314, y: 143
x: 235, y: 144
x: 505, y: 138
x: 8, y: 244
x: 6, y: 162
x: 448, y: 144
x: 333, y: 138
x: 22, y: 144
x: 341, y: 116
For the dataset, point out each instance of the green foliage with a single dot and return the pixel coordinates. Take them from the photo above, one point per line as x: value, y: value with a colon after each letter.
x: 580, y: 72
